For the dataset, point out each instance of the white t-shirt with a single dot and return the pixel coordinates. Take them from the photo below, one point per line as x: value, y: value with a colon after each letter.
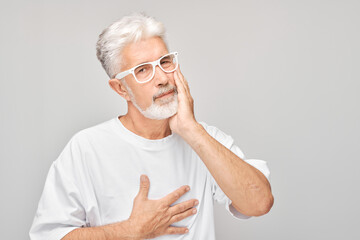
x: 97, y: 176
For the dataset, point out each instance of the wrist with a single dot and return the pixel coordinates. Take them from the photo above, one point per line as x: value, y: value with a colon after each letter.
x: 192, y: 132
x: 134, y: 232
x: 123, y: 230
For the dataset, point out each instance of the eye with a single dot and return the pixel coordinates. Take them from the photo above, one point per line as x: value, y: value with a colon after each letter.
x: 166, y: 60
x: 141, y: 70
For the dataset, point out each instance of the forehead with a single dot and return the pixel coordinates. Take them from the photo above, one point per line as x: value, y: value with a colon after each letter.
x: 146, y: 50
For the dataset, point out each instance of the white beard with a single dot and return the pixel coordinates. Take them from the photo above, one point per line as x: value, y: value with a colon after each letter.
x: 161, y: 110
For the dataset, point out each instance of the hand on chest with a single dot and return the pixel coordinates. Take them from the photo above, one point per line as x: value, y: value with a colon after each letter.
x: 119, y: 184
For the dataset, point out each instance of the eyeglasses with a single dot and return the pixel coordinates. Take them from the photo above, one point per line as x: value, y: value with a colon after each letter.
x: 145, y: 72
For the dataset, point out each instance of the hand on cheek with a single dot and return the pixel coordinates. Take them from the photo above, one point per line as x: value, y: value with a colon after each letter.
x: 184, y: 119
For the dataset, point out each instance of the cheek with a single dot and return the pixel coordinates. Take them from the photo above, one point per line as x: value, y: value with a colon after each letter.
x: 172, y: 79
x: 144, y: 98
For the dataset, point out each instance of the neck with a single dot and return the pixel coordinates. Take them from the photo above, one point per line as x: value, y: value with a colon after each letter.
x: 135, y: 122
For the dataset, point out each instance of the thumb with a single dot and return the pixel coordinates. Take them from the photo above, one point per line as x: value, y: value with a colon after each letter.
x: 144, y: 186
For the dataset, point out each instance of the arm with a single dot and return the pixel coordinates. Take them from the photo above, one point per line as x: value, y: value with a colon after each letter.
x: 149, y: 218
x: 116, y: 231
x: 247, y: 187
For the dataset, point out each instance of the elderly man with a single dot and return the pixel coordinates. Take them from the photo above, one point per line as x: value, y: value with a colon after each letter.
x: 155, y: 171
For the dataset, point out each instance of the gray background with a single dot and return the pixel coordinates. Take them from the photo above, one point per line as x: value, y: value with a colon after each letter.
x: 281, y: 77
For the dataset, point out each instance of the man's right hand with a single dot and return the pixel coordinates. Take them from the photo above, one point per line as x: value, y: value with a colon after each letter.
x: 152, y: 218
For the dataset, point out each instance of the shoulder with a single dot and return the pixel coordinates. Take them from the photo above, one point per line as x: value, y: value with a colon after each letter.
x: 83, y: 140
x: 219, y: 135
x: 94, y: 132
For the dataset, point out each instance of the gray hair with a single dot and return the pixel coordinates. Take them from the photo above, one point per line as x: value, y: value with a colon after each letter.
x: 115, y: 37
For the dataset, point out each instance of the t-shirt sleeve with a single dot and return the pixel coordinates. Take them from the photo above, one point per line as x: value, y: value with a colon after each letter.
x: 60, y: 209
x: 218, y: 195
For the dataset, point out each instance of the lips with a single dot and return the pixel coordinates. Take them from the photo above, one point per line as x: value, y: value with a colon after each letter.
x: 166, y: 93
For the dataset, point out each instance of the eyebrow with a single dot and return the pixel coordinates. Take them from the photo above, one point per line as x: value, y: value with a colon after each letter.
x: 151, y: 61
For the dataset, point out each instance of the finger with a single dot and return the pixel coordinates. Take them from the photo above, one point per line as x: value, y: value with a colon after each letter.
x: 183, y: 79
x: 175, y: 195
x: 185, y: 91
x: 176, y: 230
x: 144, y: 187
x: 180, y: 76
x: 185, y: 87
x: 183, y: 215
x: 182, y: 207
x: 179, y: 83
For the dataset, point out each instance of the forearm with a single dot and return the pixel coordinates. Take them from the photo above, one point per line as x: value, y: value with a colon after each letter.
x: 246, y: 186
x: 116, y: 231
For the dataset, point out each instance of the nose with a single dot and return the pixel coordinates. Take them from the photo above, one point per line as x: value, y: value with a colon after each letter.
x: 161, y: 77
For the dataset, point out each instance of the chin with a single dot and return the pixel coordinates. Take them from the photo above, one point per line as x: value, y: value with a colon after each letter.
x: 164, y: 111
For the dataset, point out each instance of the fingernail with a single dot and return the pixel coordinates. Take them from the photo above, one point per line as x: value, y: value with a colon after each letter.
x: 143, y: 178
x: 187, y: 230
x: 196, y: 202
x: 194, y: 211
x: 187, y: 188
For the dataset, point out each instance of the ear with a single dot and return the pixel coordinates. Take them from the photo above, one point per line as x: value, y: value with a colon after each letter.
x: 118, y: 87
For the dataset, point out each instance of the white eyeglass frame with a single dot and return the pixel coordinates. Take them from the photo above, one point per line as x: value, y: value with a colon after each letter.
x: 154, y: 64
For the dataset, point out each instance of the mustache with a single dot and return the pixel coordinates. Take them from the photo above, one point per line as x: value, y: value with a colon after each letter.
x: 165, y: 89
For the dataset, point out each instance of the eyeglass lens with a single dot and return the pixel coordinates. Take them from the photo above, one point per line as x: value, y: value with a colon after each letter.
x: 168, y: 63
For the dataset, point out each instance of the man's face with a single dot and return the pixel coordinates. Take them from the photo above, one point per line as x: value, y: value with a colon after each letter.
x: 157, y: 98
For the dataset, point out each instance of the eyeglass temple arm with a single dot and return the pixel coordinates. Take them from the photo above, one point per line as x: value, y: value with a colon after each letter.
x: 122, y: 74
